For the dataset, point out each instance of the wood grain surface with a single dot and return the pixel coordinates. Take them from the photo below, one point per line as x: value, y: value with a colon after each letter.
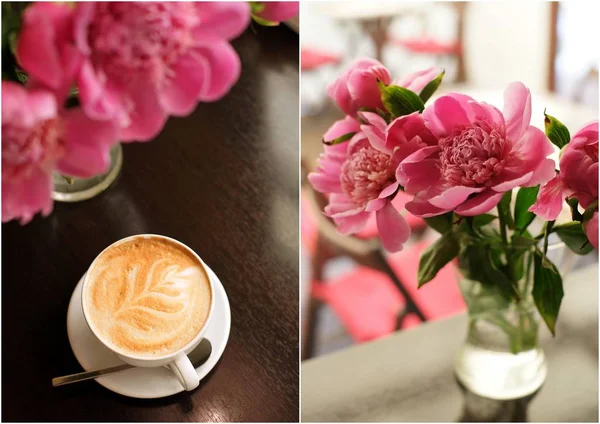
x: 224, y: 181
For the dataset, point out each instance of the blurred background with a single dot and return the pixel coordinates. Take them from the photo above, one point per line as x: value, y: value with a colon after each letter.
x: 352, y: 292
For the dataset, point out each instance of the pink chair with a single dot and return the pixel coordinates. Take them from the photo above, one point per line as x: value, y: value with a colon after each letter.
x: 312, y: 59
x: 380, y: 295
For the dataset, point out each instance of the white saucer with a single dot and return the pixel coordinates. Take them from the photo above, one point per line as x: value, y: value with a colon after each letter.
x: 143, y: 383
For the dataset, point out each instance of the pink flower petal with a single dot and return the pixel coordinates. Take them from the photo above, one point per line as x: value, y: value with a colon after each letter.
x: 24, y: 198
x: 13, y: 97
x: 84, y: 13
x: 374, y: 120
x: 543, y: 173
x: 588, y: 134
x: 550, y: 199
x: 88, y: 144
x: 37, y: 45
x: 226, y: 20
x: 191, y: 77
x: 451, y: 197
x: 393, y: 228
x: 325, y: 183
x: 225, y: 69
x: 480, y: 111
x: 444, y: 116
x: 98, y: 101
x: 417, y: 81
x: 512, y: 183
x: 389, y: 190
x: 591, y: 230
x: 279, y: 11
x: 420, y: 206
x: 341, y: 127
x: 338, y: 90
x: 26, y: 108
x: 517, y: 109
x: 148, y: 117
x: 352, y: 224
x: 363, y: 88
x: 480, y: 203
x: 341, y: 206
x: 526, y: 154
x: 405, y: 128
x: 405, y: 172
x: 376, y: 204
x: 376, y: 138
x: 420, y: 175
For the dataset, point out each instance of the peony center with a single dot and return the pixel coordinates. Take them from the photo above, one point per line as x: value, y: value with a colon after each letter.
x: 37, y: 147
x: 131, y: 40
x: 472, y: 156
x: 366, y: 173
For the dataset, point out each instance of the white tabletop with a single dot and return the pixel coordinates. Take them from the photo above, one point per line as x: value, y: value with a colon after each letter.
x: 408, y: 376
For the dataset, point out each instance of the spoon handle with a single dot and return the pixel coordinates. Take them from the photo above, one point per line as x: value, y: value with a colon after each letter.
x: 81, y: 376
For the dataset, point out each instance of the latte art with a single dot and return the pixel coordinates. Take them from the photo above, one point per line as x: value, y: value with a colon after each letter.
x: 147, y: 296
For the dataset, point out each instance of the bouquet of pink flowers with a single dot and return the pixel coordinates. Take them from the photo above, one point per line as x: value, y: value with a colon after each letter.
x: 460, y: 159
x: 79, y: 77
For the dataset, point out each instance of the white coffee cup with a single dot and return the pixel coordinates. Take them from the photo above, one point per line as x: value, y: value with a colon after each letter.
x: 178, y: 361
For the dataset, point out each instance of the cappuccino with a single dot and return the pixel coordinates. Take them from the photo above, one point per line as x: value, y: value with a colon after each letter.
x: 147, y: 296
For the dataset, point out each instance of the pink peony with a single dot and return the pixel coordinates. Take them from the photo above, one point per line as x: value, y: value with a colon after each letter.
x: 45, y: 47
x: 480, y: 154
x: 578, y: 175
x: 143, y: 61
x: 360, y: 175
x: 37, y: 138
x: 357, y: 88
x: 279, y: 11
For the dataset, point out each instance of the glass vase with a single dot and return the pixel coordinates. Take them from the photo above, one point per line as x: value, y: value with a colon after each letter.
x: 71, y: 189
x: 501, y: 358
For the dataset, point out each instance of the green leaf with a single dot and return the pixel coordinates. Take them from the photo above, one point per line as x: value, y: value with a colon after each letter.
x: 478, y: 261
x: 520, y: 242
x: 547, y: 291
x: 590, y: 210
x: 483, y: 219
x: 504, y: 210
x: 257, y: 7
x: 430, y: 88
x: 547, y: 232
x: 574, y: 237
x: 440, y: 223
x: 556, y: 131
x: 436, y: 256
x: 574, y: 205
x: 340, y: 139
x: 400, y: 101
x: 525, y: 198
x: 264, y: 22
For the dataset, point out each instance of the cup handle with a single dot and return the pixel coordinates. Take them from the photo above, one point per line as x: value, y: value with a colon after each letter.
x: 185, y: 372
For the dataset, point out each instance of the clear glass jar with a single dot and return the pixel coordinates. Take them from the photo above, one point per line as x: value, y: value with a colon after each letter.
x: 501, y: 358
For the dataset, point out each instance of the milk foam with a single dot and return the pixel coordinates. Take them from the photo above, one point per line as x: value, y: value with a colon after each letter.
x: 147, y: 297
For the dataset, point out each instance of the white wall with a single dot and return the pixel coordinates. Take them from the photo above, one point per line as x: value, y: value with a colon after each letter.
x: 507, y: 41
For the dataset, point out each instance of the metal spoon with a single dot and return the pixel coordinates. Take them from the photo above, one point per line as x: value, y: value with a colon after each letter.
x: 198, y: 356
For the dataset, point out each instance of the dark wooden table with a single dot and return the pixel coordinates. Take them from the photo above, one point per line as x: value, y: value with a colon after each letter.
x: 225, y: 182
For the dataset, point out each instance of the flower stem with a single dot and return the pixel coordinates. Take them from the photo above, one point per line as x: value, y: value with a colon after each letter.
x: 504, y: 236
